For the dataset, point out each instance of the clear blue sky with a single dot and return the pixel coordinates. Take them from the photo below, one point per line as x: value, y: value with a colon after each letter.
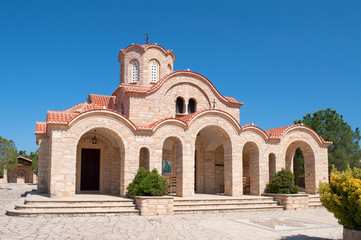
x: 283, y: 59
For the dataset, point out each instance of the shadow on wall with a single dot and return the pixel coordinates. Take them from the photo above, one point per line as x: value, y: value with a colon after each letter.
x: 301, y: 237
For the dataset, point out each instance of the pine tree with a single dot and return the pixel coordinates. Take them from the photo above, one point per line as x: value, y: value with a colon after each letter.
x: 345, y: 149
x: 8, y: 154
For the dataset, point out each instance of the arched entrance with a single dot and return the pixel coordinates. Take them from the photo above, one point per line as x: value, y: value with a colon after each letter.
x: 250, y: 163
x: 271, y: 166
x: 213, y: 157
x: 100, y: 153
x: 144, y: 158
x: 172, y: 157
x: 309, y: 164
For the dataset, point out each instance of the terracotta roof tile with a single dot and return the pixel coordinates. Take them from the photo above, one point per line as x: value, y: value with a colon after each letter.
x: 278, y: 132
x: 40, y: 128
x: 231, y: 99
x: 102, y: 100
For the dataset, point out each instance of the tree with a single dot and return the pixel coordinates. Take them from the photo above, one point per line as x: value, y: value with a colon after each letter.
x: 34, y: 156
x: 345, y: 149
x: 8, y: 154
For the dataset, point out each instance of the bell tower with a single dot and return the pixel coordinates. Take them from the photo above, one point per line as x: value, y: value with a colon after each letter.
x: 144, y: 65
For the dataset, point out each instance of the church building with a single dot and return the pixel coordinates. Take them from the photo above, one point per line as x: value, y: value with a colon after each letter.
x: 174, y: 121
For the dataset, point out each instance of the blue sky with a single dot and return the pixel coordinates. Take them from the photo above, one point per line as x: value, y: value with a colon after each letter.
x: 283, y: 59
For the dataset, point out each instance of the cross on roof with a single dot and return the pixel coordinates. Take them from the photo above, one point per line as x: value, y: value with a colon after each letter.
x: 146, y: 39
x: 214, y: 103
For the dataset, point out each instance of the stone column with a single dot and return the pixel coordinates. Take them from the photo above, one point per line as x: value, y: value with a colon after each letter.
x: 5, y: 176
x: 43, y: 164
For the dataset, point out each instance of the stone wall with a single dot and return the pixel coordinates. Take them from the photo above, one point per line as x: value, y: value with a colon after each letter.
x: 150, y: 206
x: 291, y: 201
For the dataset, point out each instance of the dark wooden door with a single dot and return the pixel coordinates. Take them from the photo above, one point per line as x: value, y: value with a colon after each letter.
x: 90, y: 169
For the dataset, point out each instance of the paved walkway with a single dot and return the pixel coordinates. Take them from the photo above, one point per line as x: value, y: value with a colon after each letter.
x: 191, y: 226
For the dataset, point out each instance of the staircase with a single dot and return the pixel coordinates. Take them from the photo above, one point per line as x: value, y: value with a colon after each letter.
x: 100, y: 205
x: 314, y: 201
x: 224, y: 204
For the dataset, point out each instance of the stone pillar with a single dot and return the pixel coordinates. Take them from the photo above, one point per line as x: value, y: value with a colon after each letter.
x: 35, y: 178
x: 5, y: 176
x: 62, y: 165
x: 233, y: 171
x: 43, y: 164
x: 185, y: 170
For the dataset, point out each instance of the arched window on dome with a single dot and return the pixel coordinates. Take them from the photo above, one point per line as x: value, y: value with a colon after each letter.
x: 169, y: 69
x: 192, y: 105
x: 179, y: 105
x: 153, y: 72
x: 135, y: 70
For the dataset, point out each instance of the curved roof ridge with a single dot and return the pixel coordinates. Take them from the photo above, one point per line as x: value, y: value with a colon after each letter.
x: 278, y: 132
x: 156, y: 86
x: 144, y: 47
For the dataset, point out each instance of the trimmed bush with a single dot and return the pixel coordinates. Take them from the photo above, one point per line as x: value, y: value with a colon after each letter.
x: 342, y: 197
x: 148, y: 183
x: 283, y: 182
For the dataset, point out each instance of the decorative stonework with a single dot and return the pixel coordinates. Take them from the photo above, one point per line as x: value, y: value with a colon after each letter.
x: 150, y: 206
x: 290, y: 201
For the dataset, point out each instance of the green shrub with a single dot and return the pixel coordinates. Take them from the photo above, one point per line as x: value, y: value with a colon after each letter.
x: 148, y: 183
x: 342, y: 197
x: 283, y: 182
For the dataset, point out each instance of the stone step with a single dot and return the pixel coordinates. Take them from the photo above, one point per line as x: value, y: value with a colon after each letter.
x: 78, y: 201
x: 75, y: 207
x: 315, y: 205
x: 72, y: 213
x: 224, y: 204
x: 222, y: 200
x: 226, y: 209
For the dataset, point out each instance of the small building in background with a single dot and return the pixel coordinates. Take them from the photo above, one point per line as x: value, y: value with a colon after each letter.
x: 22, y: 173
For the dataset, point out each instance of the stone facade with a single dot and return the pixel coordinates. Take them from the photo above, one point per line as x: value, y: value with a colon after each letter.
x: 151, y: 124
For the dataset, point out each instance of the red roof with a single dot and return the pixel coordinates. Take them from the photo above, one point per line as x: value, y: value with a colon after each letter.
x: 40, y: 128
x: 278, y: 132
x: 102, y: 100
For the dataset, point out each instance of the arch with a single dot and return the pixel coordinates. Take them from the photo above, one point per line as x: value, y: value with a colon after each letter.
x: 144, y: 158
x: 299, y: 168
x: 104, y: 112
x: 309, y: 163
x: 203, y: 79
x: 154, y: 71
x: 169, y: 69
x: 250, y: 162
x: 179, y: 105
x: 99, y: 162
x: 192, y: 105
x: 213, y: 161
x: 172, y: 164
x: 135, y: 71
x: 271, y: 166
x: 201, y: 93
x: 21, y: 173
